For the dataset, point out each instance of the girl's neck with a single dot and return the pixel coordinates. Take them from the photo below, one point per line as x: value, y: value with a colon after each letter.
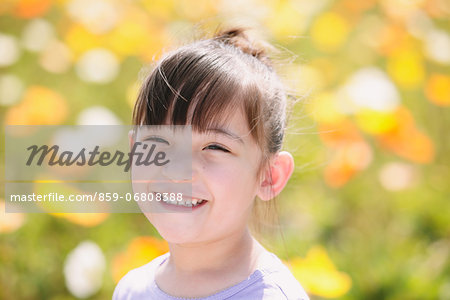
x: 215, y: 257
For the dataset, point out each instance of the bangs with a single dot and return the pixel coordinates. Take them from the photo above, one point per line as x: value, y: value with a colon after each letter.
x: 198, y: 87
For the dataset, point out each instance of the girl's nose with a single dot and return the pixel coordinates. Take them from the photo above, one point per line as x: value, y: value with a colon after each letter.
x: 179, y: 168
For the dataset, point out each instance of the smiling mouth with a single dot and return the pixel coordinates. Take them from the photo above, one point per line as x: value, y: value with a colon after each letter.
x: 185, y: 202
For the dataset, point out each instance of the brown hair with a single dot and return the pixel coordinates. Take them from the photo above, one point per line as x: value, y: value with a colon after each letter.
x: 208, y: 80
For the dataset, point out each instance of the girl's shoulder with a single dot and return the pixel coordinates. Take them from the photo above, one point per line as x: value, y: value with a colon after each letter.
x: 276, y: 276
x: 135, y: 284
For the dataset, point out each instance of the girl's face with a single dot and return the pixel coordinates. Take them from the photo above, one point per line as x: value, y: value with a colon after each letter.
x: 225, y: 163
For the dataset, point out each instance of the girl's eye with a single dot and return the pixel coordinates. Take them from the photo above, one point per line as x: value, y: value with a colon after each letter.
x: 216, y: 147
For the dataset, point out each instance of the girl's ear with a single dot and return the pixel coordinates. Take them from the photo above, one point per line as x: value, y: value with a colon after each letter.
x: 276, y: 175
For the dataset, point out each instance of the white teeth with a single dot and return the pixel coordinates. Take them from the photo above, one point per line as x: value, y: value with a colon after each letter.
x: 185, y: 203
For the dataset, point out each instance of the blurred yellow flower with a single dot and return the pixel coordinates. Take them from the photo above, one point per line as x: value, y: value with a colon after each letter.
x: 152, y: 47
x: 197, y: 10
x: 437, y: 89
x: 40, y: 106
x: 406, y: 68
x: 132, y: 93
x: 137, y: 35
x: 140, y: 251
x: 329, y: 31
x: 285, y: 21
x: 80, y: 40
x: 9, y: 222
x: 160, y: 9
x: 91, y: 219
x: 323, y: 108
x: 375, y: 122
x: 318, y: 274
x: 129, y: 37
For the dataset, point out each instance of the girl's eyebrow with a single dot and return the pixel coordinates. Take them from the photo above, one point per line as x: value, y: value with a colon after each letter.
x: 155, y: 139
x: 226, y: 133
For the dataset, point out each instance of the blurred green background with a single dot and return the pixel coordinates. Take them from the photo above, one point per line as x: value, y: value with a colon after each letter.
x: 367, y: 212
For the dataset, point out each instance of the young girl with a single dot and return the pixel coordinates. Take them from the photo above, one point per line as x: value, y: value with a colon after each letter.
x: 226, y: 89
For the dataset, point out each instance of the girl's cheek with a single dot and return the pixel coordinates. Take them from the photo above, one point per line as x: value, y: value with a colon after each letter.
x: 220, y: 172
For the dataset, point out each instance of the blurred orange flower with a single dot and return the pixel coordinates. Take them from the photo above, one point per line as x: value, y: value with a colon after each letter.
x: 347, y: 160
x: 318, y: 274
x: 353, y: 9
x: 437, y: 8
x: 406, y: 141
x: 350, y: 155
x: 140, y: 251
x: 437, y: 89
x: 9, y: 222
x: 40, y: 106
x: 389, y: 38
x: 31, y: 8
x: 334, y: 135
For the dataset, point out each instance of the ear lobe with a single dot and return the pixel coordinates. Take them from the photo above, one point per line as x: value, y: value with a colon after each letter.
x: 276, y: 176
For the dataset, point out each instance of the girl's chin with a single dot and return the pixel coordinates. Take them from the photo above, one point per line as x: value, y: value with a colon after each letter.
x: 178, y: 237
x: 177, y: 232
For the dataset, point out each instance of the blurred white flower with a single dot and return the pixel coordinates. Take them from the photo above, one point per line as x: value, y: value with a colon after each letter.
x: 11, y: 89
x: 101, y: 135
x: 98, y: 115
x: 396, y: 176
x: 419, y: 24
x: 37, y: 35
x: 98, y: 65
x: 98, y: 16
x: 83, y: 269
x: 369, y: 88
x: 9, y: 50
x: 56, y: 57
x: 437, y: 46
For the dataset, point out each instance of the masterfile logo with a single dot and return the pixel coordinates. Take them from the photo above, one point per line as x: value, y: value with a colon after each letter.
x: 95, y: 168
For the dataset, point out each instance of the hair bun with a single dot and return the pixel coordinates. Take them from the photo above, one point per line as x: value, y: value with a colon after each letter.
x: 238, y: 38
